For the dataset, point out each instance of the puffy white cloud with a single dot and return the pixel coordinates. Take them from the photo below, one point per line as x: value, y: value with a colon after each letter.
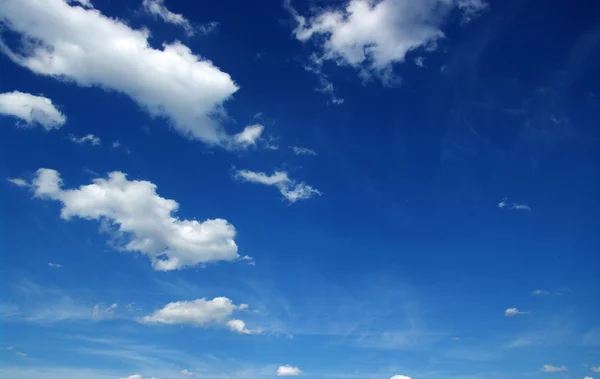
x: 144, y: 220
x: 288, y: 370
x: 187, y: 372
x: 157, y: 8
x: 34, y: 110
x: 551, y: 368
x: 372, y: 35
x: 513, y: 312
x: 303, y: 150
x: 90, y: 138
x: 54, y: 265
x: 18, y: 182
x: 200, y: 312
x: 248, y: 137
x: 85, y: 47
x: 290, y: 189
x: 400, y: 377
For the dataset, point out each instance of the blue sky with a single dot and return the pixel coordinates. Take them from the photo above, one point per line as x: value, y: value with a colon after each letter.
x: 325, y: 189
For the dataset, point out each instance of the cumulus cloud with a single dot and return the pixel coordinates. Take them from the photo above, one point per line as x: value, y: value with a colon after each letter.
x: 513, y: 312
x: 143, y: 221
x: 90, y: 138
x: 187, y: 372
x: 551, y: 368
x: 157, y: 8
x: 85, y: 47
x: 18, y: 182
x: 200, y: 312
x: 288, y: 370
x: 400, y: 377
x: 290, y: 189
x: 33, y: 110
x: 248, y: 137
x: 373, y: 35
x: 303, y: 150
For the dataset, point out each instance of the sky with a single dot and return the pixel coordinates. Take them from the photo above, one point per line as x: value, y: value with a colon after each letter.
x: 339, y: 189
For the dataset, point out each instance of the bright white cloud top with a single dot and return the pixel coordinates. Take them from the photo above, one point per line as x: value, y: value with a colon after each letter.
x: 81, y: 45
x: 551, y: 368
x: 288, y: 370
x: 33, y: 110
x: 291, y: 190
x: 513, y: 312
x: 201, y: 313
x: 371, y: 36
x: 143, y: 218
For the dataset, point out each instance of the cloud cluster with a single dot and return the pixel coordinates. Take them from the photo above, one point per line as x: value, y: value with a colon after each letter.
x: 33, y: 110
x: 371, y: 36
x: 288, y: 370
x: 83, y: 46
x: 200, y: 312
x: 142, y: 219
x: 291, y: 190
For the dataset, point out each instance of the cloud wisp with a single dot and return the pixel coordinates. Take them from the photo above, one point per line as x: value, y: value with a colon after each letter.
x: 291, y: 190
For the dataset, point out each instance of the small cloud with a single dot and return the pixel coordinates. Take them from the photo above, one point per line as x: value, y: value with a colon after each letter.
x: 420, y: 61
x: 103, y: 314
x: 248, y: 259
x: 291, y: 190
x: 187, y: 372
x: 54, y: 265
x: 456, y: 339
x: 90, y: 138
x: 243, y: 307
x: 503, y: 204
x: 288, y: 370
x: 157, y: 8
x: 240, y: 327
x: 18, y: 182
x: 588, y: 377
x: 400, y: 377
x: 12, y: 348
x: 513, y: 312
x: 118, y: 144
x: 551, y: 368
x: 539, y: 292
x: 303, y: 150
x: 596, y: 369
x: 21, y: 354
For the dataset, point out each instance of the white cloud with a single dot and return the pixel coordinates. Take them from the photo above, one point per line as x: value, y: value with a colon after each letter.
x: 104, y: 314
x: 371, y: 36
x: 34, y: 110
x: 136, y: 376
x: 83, y: 46
x: 243, y: 307
x: 471, y: 8
x: 420, y: 61
x: 400, y: 377
x: 290, y: 189
x: 288, y: 370
x: 248, y: 137
x: 303, y: 150
x: 187, y: 372
x: 157, y: 8
x: 539, y: 292
x: 596, y: 369
x: 54, y: 265
x: 503, y: 204
x: 21, y: 354
x: 10, y: 348
x: 143, y: 220
x: 513, y: 312
x: 550, y: 368
x: 90, y: 138
x: 18, y: 182
x: 200, y: 312
x: 315, y: 66
x: 588, y: 377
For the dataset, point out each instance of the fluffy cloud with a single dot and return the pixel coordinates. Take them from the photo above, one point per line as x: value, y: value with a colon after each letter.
x: 303, y: 150
x: 90, y: 138
x: 33, y: 110
x: 371, y: 36
x: 288, y: 370
x: 200, y: 312
x: 248, y: 137
x: 157, y: 8
x: 513, y: 312
x: 143, y: 220
x: 550, y: 368
x: 187, y: 372
x: 400, y: 377
x: 85, y: 47
x: 290, y: 189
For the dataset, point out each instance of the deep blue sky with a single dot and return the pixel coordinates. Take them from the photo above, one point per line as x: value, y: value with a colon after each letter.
x: 404, y: 264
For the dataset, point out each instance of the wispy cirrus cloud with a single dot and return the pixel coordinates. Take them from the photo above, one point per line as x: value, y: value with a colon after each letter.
x: 552, y: 368
x: 291, y: 190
